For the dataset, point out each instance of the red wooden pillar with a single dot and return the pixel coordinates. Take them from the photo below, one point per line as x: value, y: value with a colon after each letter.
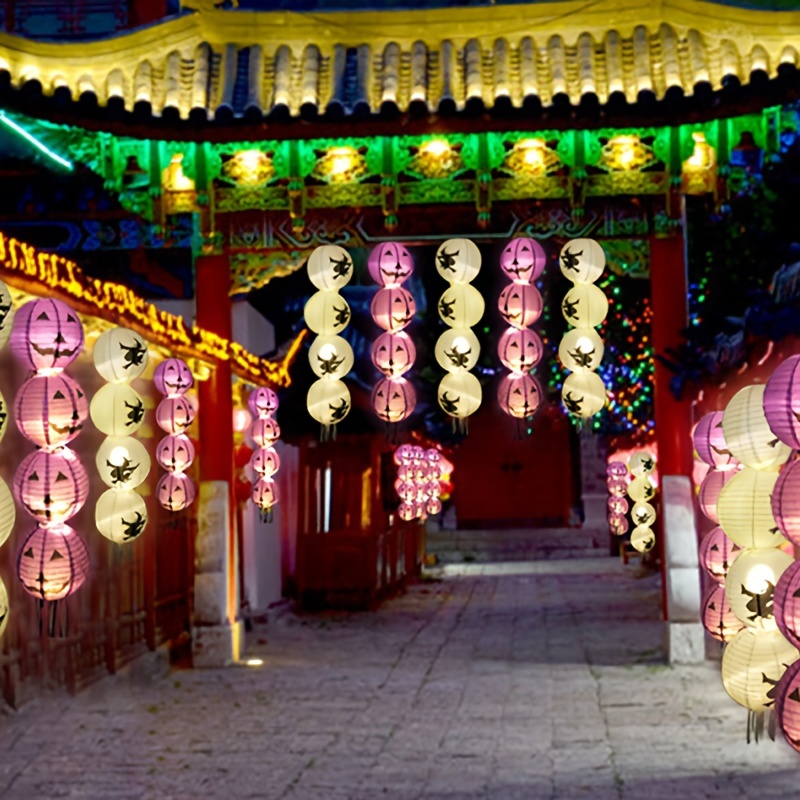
x: 143, y: 12
x: 213, y: 312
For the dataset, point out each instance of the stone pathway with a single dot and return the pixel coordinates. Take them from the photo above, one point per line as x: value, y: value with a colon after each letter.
x: 510, y: 682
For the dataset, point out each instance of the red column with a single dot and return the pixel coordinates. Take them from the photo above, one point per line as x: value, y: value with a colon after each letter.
x: 212, y: 296
x: 143, y: 12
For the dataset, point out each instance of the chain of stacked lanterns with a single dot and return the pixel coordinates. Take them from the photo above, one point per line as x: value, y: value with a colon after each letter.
x: 636, y: 480
x: 265, y: 461
x: 420, y: 474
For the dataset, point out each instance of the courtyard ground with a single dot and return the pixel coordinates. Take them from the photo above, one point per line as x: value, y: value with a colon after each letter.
x: 505, y: 681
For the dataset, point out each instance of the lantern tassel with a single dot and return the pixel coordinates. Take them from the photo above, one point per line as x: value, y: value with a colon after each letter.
x: 772, y: 725
x: 51, y: 621
x: 755, y: 726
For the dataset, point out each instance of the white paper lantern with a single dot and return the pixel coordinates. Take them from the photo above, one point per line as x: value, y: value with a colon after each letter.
x: 581, y: 350
x: 641, y: 464
x: 750, y: 585
x: 458, y: 261
x: 120, y: 355
x: 117, y: 410
x: 8, y: 513
x: 582, y: 260
x: 641, y: 490
x: 6, y: 313
x: 744, y: 508
x: 583, y: 394
x: 460, y: 394
x: 461, y: 306
x: 330, y: 357
x: 584, y: 306
x: 328, y: 401
x: 120, y: 516
x: 327, y: 313
x: 457, y: 349
x: 643, y: 514
x: 642, y: 538
x: 748, y: 434
x: 752, y: 664
x: 123, y: 462
x: 330, y: 267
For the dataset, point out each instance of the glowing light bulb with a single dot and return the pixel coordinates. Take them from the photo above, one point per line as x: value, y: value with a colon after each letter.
x: 436, y: 148
x: 584, y: 345
x: 327, y: 352
x: 759, y: 579
x: 460, y: 345
x: 342, y: 160
x: 118, y: 456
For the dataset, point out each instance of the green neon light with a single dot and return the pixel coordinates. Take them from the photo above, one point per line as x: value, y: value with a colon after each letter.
x: 31, y: 139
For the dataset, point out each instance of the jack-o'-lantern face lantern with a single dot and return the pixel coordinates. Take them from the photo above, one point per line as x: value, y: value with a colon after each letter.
x: 263, y: 402
x: 6, y: 313
x: 265, y: 493
x: 519, y: 395
x: 173, y: 377
x: 393, y: 308
x: 265, y: 461
x: 393, y: 353
x: 406, y: 490
x: 520, y: 349
x: 617, y: 505
x: 52, y: 487
x: 390, y: 264
x: 50, y: 409
x: 175, y: 453
x: 717, y: 553
x: 52, y: 563
x: 174, y: 414
x: 175, y: 491
x: 718, y: 617
x: 393, y: 399
x: 264, y: 432
x: 330, y: 267
x: 3, y: 417
x: 120, y: 355
x: 47, y: 335
x: 618, y: 523
x: 522, y: 260
x: 520, y: 305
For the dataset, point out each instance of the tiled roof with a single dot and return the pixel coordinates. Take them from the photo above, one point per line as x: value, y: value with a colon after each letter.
x: 218, y: 65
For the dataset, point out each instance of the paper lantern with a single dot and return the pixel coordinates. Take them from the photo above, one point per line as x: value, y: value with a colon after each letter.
x: 117, y: 410
x: 327, y: 313
x: 403, y: 454
x: 328, y: 401
x: 582, y: 260
x: 583, y: 394
x: 581, y: 350
x: 120, y: 356
x: 4, y: 607
x: 520, y: 349
x: 264, y: 432
x: 120, y: 516
x: 330, y: 267
x: 523, y: 260
x: 750, y: 585
x: 457, y: 349
x: 520, y: 305
x: 406, y: 490
x: 617, y: 505
x: 393, y: 353
x: 4, y: 416
x: 785, y: 503
x: 393, y: 399
x: 433, y: 506
x: 458, y: 260
x: 390, y: 264
x: 173, y: 378
x: 617, y: 487
x: 752, y: 665
x: 123, y: 462
x: 709, y: 442
x: 174, y: 414
x: 787, y: 705
x: 519, y: 395
x: 461, y: 306
x: 642, y: 489
x: 47, y: 335
x: 52, y: 562
x: 460, y: 394
x: 265, y: 461
x: 8, y: 513
x: 710, y: 490
x: 584, y: 306
x: 717, y: 552
x: 617, y: 468
x: 718, y: 617
x: 406, y: 511
x: 642, y: 538
x: 6, y: 313
x: 748, y: 434
x: 641, y: 464
x: 52, y: 487
x: 643, y: 514
x: 175, y: 453
x: 50, y: 409
x: 745, y: 509
x: 330, y: 357
x: 786, y: 603
x: 262, y: 402
x: 265, y: 493
x: 618, y: 523
x: 175, y: 491
x: 393, y: 308
x: 782, y: 402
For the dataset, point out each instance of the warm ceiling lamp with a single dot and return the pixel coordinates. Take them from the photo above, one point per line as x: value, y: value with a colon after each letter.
x: 436, y: 148
x: 342, y: 160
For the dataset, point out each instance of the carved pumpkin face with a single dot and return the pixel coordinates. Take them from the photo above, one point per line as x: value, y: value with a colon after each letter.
x: 330, y: 267
x: 618, y: 523
x: 264, y: 432
x: 173, y: 377
x: 581, y: 350
x: 117, y: 410
x: 390, y: 264
x: 407, y: 511
x: 520, y: 305
x: 328, y: 401
x: 327, y: 313
x: 582, y: 260
x: 523, y: 260
x: 393, y: 308
x: 718, y: 617
x: 787, y: 603
x: 519, y: 395
x: 52, y: 487
x: 120, y: 516
x: 175, y: 453
x: 265, y: 493
x: 120, y: 355
x: 123, y: 462
x: 617, y: 505
x: 393, y: 353
x: 175, y: 491
x: 6, y: 313
x: 50, y: 409
x: 617, y: 469
x: 262, y: 402
x: 404, y: 454
x: 717, y: 553
x: 787, y: 705
x: 174, y: 414
x: 3, y: 417
x: 457, y: 349
x: 461, y: 306
x: 458, y: 260
x: 709, y: 442
x: 710, y: 490
x: 617, y: 487
x: 460, y: 394
x: 265, y: 461
x: 52, y: 563
x: 47, y: 335
x: 786, y: 502
x: 393, y: 399
x: 406, y: 490
x: 782, y: 402
x: 520, y: 349
x: 330, y: 357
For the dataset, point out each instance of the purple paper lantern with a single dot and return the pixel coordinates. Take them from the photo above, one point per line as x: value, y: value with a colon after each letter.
x: 617, y: 469
x: 52, y: 487
x: 265, y: 493
x: 718, y: 617
x: 786, y: 603
x: 787, y: 705
x: 519, y: 395
x: 263, y: 402
x: 174, y: 414
x: 393, y: 354
x: 618, y: 523
x: 782, y: 402
x: 393, y: 399
x: 520, y: 349
x: 393, y: 308
x: 617, y: 487
x: 390, y: 264
x: 523, y: 260
x: 264, y: 431
x: 520, y: 305
x: 618, y: 505
x: 175, y: 453
x: 786, y: 502
x: 175, y: 491
x: 709, y: 441
x: 47, y: 335
x: 265, y: 461
x: 710, y: 489
x: 173, y: 378
x: 52, y: 562
x: 717, y: 553
x: 50, y: 409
